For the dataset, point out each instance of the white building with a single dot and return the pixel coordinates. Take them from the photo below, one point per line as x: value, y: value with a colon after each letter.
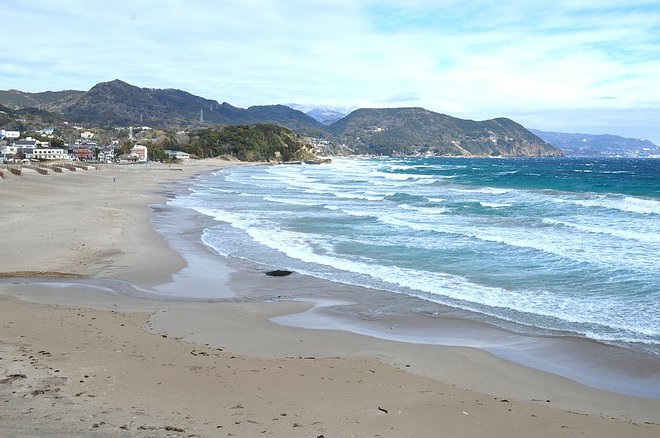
x: 50, y: 154
x: 87, y: 135
x: 177, y: 155
x: 106, y: 156
x: 141, y: 152
x: 46, y: 131
x: 9, y: 134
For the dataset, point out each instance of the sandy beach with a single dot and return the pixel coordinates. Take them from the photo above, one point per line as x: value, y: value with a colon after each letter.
x: 86, y: 349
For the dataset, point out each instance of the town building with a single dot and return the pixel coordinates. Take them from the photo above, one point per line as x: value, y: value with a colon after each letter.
x: 177, y: 155
x: 107, y: 156
x: 9, y: 134
x: 50, y: 154
x: 141, y: 152
x: 82, y: 154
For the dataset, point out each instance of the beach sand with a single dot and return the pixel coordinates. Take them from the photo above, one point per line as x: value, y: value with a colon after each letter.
x: 81, y: 359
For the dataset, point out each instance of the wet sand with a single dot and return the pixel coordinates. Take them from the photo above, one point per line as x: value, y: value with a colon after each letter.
x: 100, y: 356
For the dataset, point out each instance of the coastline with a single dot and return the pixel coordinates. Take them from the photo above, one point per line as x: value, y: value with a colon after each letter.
x: 365, y: 371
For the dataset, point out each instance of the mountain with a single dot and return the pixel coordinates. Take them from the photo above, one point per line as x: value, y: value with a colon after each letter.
x: 325, y: 115
x: 16, y: 99
x: 25, y: 119
x: 419, y: 131
x: 285, y: 116
x: 587, y: 145
x: 406, y: 131
x: 119, y: 103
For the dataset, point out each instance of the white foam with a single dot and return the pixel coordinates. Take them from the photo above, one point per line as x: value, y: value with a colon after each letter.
x: 425, y: 210
x: 640, y: 236
x: 628, y: 204
x: 358, y: 196
x: 571, y: 308
x: 493, y: 205
x: 291, y: 201
x: 358, y: 213
x: 485, y: 190
x: 566, y: 245
x: 399, y: 176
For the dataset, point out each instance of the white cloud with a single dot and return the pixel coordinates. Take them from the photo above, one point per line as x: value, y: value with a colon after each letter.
x: 476, y: 59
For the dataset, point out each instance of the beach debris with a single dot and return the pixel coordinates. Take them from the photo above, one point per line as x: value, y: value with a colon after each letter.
x: 173, y: 429
x: 44, y: 391
x: 10, y: 378
x: 279, y: 273
x: 383, y: 410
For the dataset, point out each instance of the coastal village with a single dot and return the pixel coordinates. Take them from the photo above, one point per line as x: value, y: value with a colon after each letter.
x: 44, y: 146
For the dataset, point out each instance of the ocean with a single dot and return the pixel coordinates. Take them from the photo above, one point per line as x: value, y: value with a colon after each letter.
x: 552, y: 247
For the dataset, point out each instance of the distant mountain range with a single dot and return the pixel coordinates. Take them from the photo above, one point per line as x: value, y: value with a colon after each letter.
x: 325, y: 115
x: 587, y: 145
x: 376, y: 131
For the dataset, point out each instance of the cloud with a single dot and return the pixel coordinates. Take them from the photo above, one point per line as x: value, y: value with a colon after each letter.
x: 475, y: 59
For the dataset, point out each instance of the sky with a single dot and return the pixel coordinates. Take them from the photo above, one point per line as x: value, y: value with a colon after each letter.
x: 574, y: 66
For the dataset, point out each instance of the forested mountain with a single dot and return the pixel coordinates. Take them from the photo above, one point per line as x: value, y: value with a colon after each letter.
x: 47, y: 100
x: 121, y: 104
x: 416, y: 130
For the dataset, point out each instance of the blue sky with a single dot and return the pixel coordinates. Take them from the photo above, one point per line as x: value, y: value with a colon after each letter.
x: 576, y: 66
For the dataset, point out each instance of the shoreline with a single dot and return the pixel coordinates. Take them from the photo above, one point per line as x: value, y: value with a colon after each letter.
x: 245, y: 328
x: 570, y: 356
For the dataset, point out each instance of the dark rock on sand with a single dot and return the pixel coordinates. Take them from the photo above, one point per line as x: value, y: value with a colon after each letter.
x: 278, y: 273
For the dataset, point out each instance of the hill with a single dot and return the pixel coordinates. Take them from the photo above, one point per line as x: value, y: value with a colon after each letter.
x: 587, y: 145
x: 418, y: 131
x: 259, y: 142
x: 47, y: 100
x: 27, y: 119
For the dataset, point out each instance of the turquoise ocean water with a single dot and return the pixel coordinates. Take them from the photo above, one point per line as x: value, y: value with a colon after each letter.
x: 553, y: 246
